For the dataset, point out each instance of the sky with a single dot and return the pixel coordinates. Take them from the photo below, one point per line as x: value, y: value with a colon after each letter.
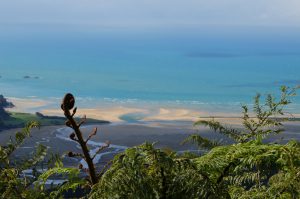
x: 150, y: 13
x: 174, y: 33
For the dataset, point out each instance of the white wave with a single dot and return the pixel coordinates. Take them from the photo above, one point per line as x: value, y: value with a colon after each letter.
x: 54, y: 182
x: 29, y: 171
x: 26, y: 147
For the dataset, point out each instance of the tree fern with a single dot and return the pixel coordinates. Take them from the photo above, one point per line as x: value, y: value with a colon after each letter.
x: 201, y: 141
x: 254, y: 166
x: 146, y: 172
x: 268, y: 118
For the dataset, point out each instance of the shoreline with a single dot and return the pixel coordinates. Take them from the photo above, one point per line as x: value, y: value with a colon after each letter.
x: 120, y: 111
x: 123, y: 112
x: 129, y: 126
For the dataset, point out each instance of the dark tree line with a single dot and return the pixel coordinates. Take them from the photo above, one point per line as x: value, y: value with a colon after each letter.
x: 4, y: 104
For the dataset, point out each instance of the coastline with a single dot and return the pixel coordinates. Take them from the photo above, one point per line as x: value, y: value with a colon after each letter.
x: 120, y: 111
x: 129, y: 126
x: 131, y: 112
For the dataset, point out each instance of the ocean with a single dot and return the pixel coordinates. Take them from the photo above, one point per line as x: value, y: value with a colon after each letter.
x: 186, y: 68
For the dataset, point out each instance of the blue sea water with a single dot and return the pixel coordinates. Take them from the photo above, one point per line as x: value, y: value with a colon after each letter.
x: 186, y: 67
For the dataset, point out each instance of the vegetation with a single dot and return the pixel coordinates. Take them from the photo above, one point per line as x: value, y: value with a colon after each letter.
x: 16, y: 120
x: 3, y: 114
x: 13, y: 184
x: 266, y: 119
x: 20, y: 119
x: 146, y: 172
x: 248, y: 168
x: 254, y: 170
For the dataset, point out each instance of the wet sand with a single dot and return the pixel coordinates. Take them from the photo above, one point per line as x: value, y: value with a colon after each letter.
x: 122, y: 135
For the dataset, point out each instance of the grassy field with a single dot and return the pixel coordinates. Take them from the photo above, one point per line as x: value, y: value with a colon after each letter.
x: 19, y: 119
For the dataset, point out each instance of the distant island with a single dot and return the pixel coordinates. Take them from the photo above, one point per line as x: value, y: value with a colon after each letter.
x: 30, y: 77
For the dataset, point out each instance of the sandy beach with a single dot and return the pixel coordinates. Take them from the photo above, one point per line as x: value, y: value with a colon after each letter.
x: 118, y: 111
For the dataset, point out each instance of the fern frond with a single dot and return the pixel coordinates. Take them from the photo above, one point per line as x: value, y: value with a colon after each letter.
x: 39, y: 155
x: 218, y: 127
x: 201, y: 142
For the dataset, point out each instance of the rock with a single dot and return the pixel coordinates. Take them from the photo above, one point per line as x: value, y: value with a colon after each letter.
x: 4, y: 104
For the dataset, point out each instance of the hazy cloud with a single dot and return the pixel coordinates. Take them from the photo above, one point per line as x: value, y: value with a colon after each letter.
x: 130, y: 13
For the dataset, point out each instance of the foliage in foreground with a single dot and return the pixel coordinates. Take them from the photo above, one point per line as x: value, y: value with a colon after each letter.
x: 246, y: 169
x: 255, y: 170
x: 265, y: 119
x: 13, y: 183
x: 146, y: 172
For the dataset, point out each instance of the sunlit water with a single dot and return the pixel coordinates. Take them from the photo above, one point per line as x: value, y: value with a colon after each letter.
x: 182, y: 69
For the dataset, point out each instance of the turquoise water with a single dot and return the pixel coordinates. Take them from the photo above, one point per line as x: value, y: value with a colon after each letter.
x: 184, y: 68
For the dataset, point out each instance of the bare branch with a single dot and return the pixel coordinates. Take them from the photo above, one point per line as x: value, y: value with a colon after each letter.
x: 74, y: 111
x: 67, y: 105
x: 93, y: 133
x: 68, y: 123
x: 83, y: 120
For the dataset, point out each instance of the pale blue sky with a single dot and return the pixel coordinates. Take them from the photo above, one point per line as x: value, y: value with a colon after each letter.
x: 151, y: 13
